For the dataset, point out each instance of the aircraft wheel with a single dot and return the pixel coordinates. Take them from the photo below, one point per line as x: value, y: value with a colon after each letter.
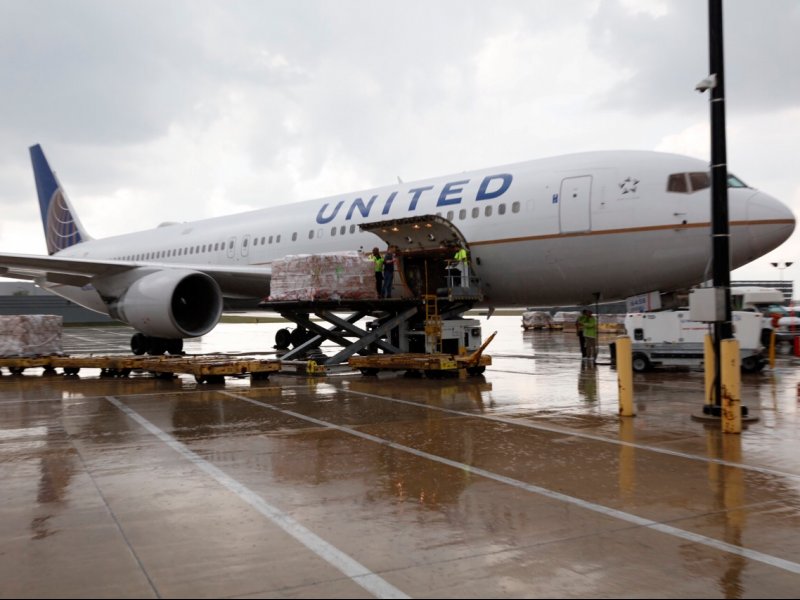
x: 157, y: 346
x: 71, y: 370
x: 479, y: 370
x: 175, y: 346
x: 298, y: 336
x: 640, y: 363
x: 139, y: 343
x: 369, y: 371
x: 283, y: 339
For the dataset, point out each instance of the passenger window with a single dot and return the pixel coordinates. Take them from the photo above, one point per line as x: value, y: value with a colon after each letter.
x: 501, y: 209
x: 476, y: 212
x: 270, y: 239
x: 278, y: 239
x: 294, y: 236
x: 515, y: 207
x: 342, y: 230
x: 311, y: 234
x: 352, y: 228
x: 462, y: 214
x: 487, y: 211
x: 677, y: 183
x: 333, y: 231
x: 449, y: 215
x: 263, y: 239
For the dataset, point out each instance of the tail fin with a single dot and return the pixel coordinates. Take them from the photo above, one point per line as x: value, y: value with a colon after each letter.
x: 62, y: 228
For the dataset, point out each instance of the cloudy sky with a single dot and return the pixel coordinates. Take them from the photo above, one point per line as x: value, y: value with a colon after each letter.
x: 168, y: 110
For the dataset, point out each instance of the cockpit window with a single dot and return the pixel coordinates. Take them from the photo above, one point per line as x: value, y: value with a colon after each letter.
x: 686, y: 183
x: 699, y: 181
x: 735, y: 182
x: 677, y: 183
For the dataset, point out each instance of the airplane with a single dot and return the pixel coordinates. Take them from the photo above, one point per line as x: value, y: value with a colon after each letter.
x: 570, y: 229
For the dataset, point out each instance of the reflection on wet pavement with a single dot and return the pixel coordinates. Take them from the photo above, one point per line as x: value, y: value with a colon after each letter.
x: 523, y: 482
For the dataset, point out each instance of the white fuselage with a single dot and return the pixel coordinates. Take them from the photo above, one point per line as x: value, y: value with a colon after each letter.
x: 554, y: 231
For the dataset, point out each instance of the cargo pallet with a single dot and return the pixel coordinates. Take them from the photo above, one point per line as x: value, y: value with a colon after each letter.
x: 205, y: 368
x: 431, y: 364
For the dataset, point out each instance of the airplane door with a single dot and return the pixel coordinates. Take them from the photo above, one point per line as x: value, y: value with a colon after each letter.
x: 575, y: 205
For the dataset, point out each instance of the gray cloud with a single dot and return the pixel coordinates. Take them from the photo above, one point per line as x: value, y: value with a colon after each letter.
x: 188, y: 108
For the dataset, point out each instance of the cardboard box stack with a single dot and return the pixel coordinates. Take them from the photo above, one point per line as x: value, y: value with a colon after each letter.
x: 30, y: 335
x: 335, y: 276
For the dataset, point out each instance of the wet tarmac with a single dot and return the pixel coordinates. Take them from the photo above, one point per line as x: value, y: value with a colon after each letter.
x: 521, y: 483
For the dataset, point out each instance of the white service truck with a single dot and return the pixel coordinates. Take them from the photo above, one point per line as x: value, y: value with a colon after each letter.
x: 669, y: 339
x: 754, y: 298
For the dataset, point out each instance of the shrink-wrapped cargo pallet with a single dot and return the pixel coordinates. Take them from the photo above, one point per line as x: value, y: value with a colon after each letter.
x: 336, y: 276
x: 30, y: 335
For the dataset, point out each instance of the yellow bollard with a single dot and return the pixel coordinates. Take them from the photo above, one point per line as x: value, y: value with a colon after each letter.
x: 625, y: 376
x: 708, y: 368
x: 772, y: 338
x: 731, y: 386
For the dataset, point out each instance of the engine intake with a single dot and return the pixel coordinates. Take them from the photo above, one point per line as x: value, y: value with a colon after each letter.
x: 170, y: 304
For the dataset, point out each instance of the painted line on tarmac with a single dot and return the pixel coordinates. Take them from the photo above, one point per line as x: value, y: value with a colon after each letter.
x: 755, y: 555
x: 357, y: 572
x: 580, y: 434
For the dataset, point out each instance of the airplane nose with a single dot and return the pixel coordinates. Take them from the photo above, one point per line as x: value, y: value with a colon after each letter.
x: 770, y: 222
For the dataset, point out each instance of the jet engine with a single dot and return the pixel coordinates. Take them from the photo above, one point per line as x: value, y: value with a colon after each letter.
x: 173, y: 303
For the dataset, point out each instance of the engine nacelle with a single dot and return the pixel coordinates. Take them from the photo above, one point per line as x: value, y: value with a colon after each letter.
x: 173, y: 303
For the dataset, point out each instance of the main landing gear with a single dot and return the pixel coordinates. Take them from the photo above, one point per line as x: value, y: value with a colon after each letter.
x: 145, y: 344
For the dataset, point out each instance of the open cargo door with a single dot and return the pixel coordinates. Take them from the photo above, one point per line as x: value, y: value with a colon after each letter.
x: 425, y: 233
x: 427, y: 245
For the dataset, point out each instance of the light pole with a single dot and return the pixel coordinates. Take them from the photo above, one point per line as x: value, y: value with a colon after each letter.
x: 781, y: 266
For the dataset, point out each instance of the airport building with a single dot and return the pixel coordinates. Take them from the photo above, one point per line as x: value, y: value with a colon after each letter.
x: 25, y: 298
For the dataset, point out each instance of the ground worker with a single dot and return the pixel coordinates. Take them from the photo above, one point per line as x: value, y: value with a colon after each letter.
x: 462, y: 264
x: 589, y: 327
x: 376, y: 258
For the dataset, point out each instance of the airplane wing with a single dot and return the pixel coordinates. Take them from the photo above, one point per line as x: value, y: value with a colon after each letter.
x: 234, y: 281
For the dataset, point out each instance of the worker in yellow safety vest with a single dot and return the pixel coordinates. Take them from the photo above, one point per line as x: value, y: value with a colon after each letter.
x: 376, y: 258
x: 462, y: 264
